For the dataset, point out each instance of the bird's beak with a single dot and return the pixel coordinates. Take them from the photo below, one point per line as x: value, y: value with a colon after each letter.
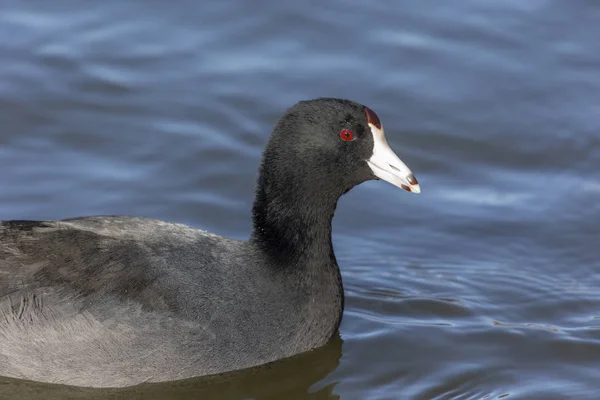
x: 384, y: 163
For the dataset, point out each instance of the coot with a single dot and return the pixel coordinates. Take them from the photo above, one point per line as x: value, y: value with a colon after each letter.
x: 111, y: 301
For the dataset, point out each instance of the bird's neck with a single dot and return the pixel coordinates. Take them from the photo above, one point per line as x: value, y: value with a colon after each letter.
x: 293, y: 223
x: 292, y: 214
x: 293, y: 231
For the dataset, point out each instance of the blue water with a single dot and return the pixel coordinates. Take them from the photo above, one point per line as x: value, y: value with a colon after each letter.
x: 485, y: 286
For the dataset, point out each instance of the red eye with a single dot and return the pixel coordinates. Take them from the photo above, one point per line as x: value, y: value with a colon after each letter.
x: 347, y: 135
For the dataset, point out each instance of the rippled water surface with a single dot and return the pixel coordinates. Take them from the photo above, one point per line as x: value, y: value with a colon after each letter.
x: 485, y: 286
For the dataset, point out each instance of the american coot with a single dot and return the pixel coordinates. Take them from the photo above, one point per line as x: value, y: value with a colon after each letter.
x: 111, y: 301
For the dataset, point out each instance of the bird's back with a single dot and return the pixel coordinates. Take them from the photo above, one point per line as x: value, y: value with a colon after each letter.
x: 87, y: 301
x: 116, y: 301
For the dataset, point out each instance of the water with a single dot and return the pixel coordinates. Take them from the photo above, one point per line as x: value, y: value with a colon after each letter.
x: 483, y: 287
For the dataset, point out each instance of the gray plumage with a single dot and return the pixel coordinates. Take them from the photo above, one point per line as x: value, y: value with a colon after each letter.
x: 115, y: 301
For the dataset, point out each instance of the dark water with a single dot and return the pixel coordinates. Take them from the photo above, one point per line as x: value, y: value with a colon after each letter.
x: 485, y: 286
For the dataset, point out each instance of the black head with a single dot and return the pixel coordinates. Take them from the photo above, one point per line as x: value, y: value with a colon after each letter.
x: 319, y: 150
x: 323, y: 144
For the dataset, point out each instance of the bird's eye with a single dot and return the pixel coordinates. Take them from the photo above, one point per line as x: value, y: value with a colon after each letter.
x: 347, y: 135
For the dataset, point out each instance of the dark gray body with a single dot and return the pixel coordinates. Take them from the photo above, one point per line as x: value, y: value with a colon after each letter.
x: 117, y: 301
